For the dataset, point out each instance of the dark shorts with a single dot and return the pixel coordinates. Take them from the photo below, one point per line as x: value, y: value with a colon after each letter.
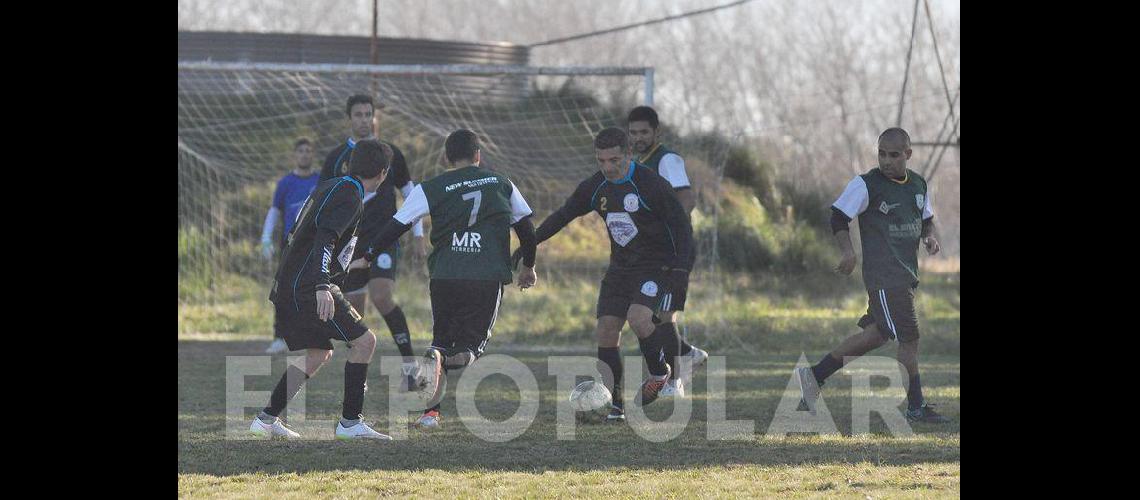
x: 892, y: 310
x: 296, y: 321
x: 463, y: 312
x: 383, y: 267
x: 620, y: 289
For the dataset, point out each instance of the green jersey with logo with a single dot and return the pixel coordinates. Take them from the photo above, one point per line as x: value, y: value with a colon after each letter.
x: 890, y: 225
x: 666, y: 163
x: 472, y: 210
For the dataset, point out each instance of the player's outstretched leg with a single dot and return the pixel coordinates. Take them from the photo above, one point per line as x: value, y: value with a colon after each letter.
x: 431, y: 389
x: 812, y: 379
x: 266, y: 423
x: 380, y: 290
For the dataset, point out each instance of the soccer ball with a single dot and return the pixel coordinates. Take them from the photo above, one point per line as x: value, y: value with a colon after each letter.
x: 590, y: 396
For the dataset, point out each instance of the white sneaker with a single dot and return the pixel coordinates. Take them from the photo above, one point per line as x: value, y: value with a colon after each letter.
x: 359, y: 431
x: 809, y: 388
x: 674, y: 388
x: 429, y: 420
x: 696, y: 358
x: 277, y: 347
x: 434, y: 383
x: 276, y: 429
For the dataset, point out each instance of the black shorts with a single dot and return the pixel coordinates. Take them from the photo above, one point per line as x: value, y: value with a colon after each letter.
x: 463, y: 312
x: 296, y: 321
x: 383, y: 267
x: 892, y: 310
x: 620, y: 289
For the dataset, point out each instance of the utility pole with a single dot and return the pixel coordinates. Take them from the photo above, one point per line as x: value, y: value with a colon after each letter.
x: 374, y: 57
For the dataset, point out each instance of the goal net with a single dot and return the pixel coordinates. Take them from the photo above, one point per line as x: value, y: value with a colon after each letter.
x: 237, y: 123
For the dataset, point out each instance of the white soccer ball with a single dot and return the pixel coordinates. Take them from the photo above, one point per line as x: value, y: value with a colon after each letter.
x: 589, y: 396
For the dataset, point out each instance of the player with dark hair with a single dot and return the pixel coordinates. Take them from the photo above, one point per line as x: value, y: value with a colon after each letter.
x: 645, y: 135
x: 650, y: 248
x: 379, y: 279
x: 309, y: 306
x: 472, y: 210
x: 893, y: 205
x: 288, y: 197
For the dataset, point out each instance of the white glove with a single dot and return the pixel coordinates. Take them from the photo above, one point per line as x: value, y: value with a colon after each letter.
x: 266, y: 248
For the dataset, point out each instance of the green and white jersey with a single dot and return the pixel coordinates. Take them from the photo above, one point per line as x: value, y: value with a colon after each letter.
x: 890, y: 225
x: 667, y: 164
x: 472, y: 210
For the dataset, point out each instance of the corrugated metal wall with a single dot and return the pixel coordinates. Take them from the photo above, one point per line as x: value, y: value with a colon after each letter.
x: 300, y: 48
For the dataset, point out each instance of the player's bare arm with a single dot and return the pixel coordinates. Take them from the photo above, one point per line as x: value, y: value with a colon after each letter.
x: 847, y: 258
x: 929, y: 237
x: 688, y: 199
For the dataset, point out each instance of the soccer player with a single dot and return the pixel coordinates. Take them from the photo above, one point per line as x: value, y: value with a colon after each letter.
x: 472, y: 211
x: 310, y: 308
x: 379, y: 279
x: 290, y: 194
x: 650, y: 249
x: 893, y: 206
x: 645, y: 136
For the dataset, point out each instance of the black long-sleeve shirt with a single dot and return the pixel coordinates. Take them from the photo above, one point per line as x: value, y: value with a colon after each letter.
x: 321, y: 245
x: 380, y: 207
x: 647, y: 227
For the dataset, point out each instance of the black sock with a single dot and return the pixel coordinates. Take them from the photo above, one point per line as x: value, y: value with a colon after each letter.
x: 287, y: 387
x: 914, y: 393
x: 686, y: 348
x: 398, y: 325
x: 355, y: 383
x: 434, y: 408
x: 671, y: 345
x: 651, y: 350
x: 826, y: 367
x: 611, y: 357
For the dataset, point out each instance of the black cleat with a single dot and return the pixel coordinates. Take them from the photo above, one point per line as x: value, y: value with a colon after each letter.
x: 926, y: 414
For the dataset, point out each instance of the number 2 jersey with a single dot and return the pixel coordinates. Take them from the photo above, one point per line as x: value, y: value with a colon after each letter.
x: 648, y: 228
x: 321, y: 245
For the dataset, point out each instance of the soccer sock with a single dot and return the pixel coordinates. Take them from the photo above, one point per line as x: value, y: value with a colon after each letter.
x: 355, y: 376
x: 287, y: 387
x: 652, y: 352
x: 398, y: 325
x: 671, y: 344
x: 434, y: 408
x: 826, y: 367
x: 686, y: 348
x: 611, y: 356
x: 914, y: 393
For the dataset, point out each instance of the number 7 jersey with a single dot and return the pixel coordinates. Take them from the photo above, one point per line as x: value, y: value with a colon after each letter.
x: 472, y: 210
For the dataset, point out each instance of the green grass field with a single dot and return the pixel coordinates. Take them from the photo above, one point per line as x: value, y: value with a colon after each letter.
x: 760, y: 326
